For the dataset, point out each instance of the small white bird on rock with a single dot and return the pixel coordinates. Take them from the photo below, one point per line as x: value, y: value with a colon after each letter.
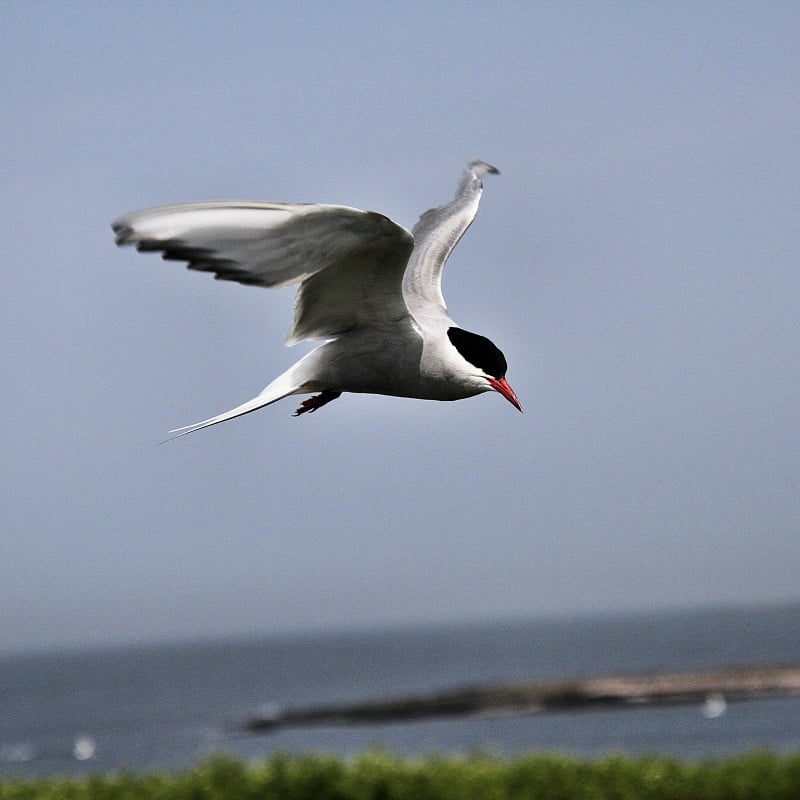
x: 366, y: 285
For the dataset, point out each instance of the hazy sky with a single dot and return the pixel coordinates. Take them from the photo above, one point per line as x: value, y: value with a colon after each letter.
x: 636, y: 260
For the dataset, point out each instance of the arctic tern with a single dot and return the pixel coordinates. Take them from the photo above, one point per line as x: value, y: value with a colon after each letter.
x: 367, y: 286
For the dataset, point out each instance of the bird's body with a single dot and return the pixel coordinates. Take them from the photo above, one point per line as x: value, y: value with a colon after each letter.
x: 366, y: 285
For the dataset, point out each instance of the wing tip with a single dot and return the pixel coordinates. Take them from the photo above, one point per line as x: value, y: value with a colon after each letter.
x: 478, y: 168
x: 123, y: 232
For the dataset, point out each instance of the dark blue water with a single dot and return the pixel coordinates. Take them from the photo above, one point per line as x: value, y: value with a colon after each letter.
x: 161, y: 706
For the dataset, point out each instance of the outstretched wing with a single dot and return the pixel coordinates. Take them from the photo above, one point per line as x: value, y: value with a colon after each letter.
x: 349, y: 263
x: 435, y: 235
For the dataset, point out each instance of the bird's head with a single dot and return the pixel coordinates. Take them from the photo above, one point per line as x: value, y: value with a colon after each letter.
x: 488, y: 361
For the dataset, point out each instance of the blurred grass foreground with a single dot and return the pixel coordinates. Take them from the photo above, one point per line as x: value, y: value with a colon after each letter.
x: 380, y: 776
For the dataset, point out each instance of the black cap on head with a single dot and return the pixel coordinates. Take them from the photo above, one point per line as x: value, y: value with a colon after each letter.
x: 479, y: 351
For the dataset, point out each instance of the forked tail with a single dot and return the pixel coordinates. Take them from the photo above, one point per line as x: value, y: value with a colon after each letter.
x: 277, y: 390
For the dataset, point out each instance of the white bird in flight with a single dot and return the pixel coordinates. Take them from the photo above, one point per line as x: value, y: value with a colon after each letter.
x: 367, y: 286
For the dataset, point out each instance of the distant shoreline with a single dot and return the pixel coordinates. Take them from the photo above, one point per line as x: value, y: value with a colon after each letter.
x: 713, y: 689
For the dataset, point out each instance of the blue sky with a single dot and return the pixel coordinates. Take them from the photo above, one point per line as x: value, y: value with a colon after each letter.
x: 636, y: 260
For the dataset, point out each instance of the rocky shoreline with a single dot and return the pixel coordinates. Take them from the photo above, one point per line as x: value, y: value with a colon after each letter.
x: 710, y: 688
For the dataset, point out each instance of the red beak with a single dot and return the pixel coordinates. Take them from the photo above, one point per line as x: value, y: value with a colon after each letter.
x: 503, y: 387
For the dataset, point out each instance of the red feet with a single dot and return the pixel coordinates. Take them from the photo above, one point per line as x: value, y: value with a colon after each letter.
x: 313, y: 403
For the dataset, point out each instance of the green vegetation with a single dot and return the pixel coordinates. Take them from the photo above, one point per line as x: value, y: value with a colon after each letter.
x: 380, y: 776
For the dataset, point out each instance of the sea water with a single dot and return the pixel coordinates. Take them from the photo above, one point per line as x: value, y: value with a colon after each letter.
x: 166, y: 706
